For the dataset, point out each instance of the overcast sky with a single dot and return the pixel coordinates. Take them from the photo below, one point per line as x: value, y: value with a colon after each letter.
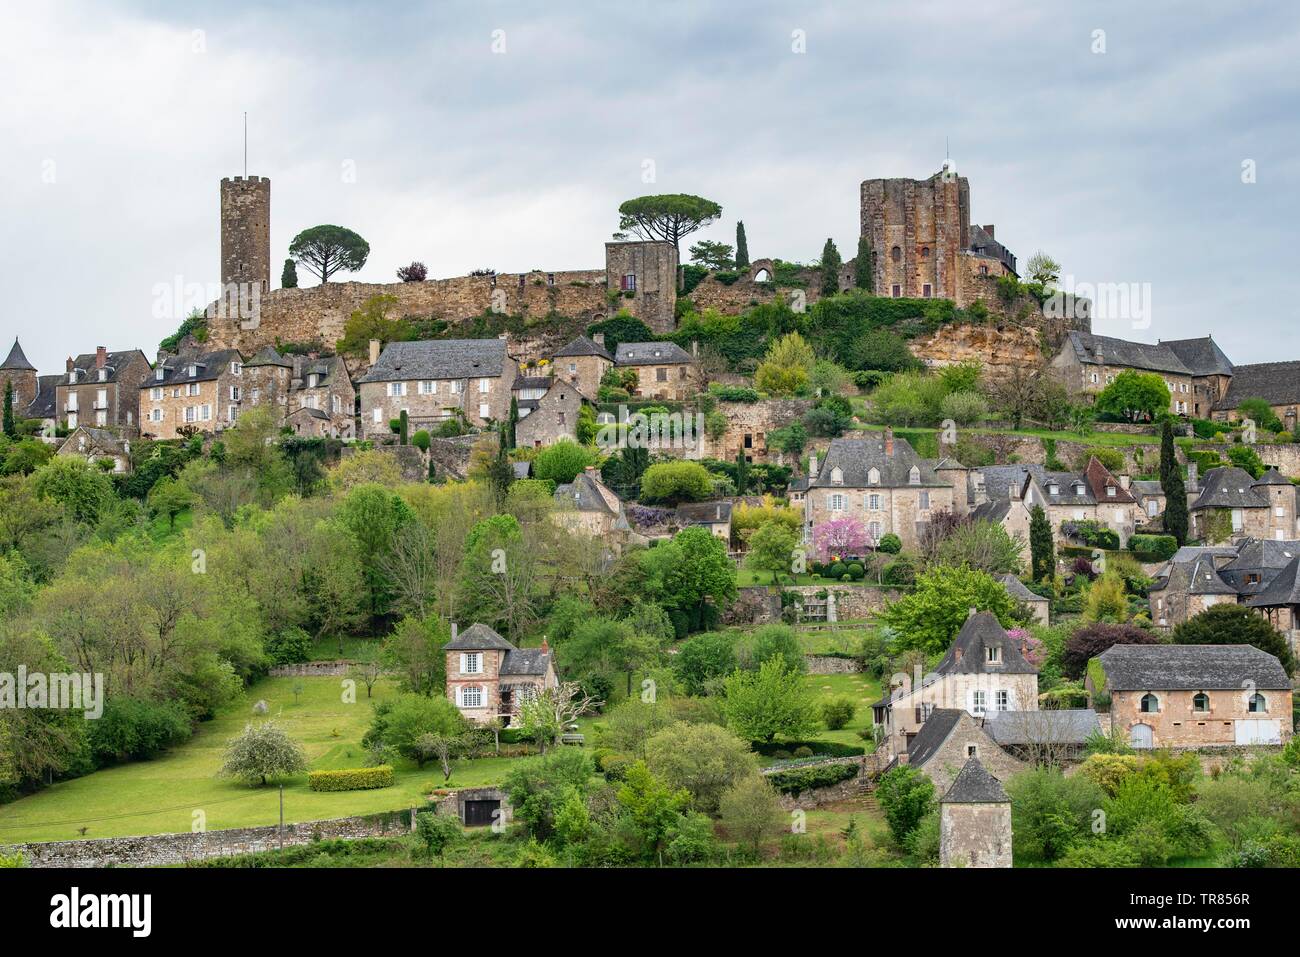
x: 118, y: 121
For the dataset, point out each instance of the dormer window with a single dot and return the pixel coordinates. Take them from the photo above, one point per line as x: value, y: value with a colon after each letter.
x: 993, y: 655
x: 313, y: 380
x: 160, y: 373
x: 914, y: 476
x: 1078, y: 488
x: 1110, y: 491
x: 235, y: 368
x: 837, y: 476
x: 194, y: 370
x: 1053, y: 489
x: 873, y: 476
x: 103, y: 375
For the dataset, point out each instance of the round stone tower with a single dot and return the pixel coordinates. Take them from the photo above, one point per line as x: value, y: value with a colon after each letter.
x: 246, y: 231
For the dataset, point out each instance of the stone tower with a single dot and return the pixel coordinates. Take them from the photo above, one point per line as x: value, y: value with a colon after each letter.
x: 246, y: 231
x: 917, y: 229
x: 22, y: 374
x: 975, y: 821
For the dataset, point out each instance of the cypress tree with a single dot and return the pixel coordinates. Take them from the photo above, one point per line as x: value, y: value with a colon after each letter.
x: 1176, y: 520
x: 1042, y: 550
x: 289, y: 275
x: 10, y: 424
x: 864, y: 273
x: 742, y: 473
x: 742, y: 246
x: 1168, y: 463
x: 514, y: 421
x: 405, y: 428
x: 831, y: 263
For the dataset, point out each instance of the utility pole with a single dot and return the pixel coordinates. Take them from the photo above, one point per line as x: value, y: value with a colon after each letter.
x: 281, y: 830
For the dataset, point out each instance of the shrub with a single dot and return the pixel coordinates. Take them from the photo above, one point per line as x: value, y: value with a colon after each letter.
x: 838, y: 712
x: 837, y: 570
x: 826, y: 749
x: 133, y: 728
x: 797, y: 780
x: 1050, y: 812
x: 890, y: 544
x: 901, y: 572
x: 673, y: 482
x: 421, y: 440
x: 1153, y: 548
x: 562, y: 461
x: 856, y: 571
x: 289, y: 646
x: 906, y: 796
x: 1091, y: 640
x: 351, y: 779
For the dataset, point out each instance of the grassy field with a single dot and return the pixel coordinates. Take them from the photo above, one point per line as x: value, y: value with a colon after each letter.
x: 861, y: 689
x: 161, y: 796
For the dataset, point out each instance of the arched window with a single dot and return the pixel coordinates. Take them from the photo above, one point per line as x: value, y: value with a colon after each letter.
x: 1200, y: 701
x: 1256, y: 704
x: 925, y: 252
x: 896, y: 254
x: 1150, y: 704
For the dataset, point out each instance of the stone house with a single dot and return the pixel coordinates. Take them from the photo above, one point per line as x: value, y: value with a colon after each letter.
x: 102, y: 389
x: 436, y: 380
x: 589, y: 507
x: 715, y: 516
x: 949, y: 739
x: 323, y: 384
x: 1263, y: 507
x: 1195, y: 370
x: 1095, y: 494
x: 552, y: 417
x: 1277, y: 383
x: 18, y: 372
x: 583, y: 363
x: 94, y: 445
x: 192, y: 391
x: 748, y: 426
x: 1279, y: 601
x: 489, y: 678
x: 879, y: 479
x: 644, y: 272
x: 984, y: 671
x: 664, y: 370
x: 1046, y: 736
x: 310, y: 423
x: 1185, y: 589
x: 1150, y: 497
x: 975, y: 820
x: 1164, y: 696
x: 1040, y: 606
x: 44, y: 407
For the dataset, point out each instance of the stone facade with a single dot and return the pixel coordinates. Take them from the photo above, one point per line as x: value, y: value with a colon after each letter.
x: 748, y: 426
x: 18, y: 372
x: 555, y: 418
x: 489, y: 678
x: 246, y: 233
x: 644, y: 273
x: 201, y: 392
x: 975, y: 835
x: 966, y: 740
x: 102, y: 389
x: 1178, y: 722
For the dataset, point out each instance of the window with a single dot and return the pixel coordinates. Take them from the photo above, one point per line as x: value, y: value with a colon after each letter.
x: 914, y: 476
x: 837, y: 476
x: 236, y: 368
x: 1053, y: 488
x: 336, y: 404
x: 155, y: 394
x: 629, y: 282
x: 205, y: 413
x: 103, y: 375
x: 194, y: 370
x: 455, y: 387
x: 484, y: 412
x: 924, y: 503
x: 993, y: 654
x: 234, y: 393
x: 873, y: 476
x: 925, y: 252
x: 1200, y: 701
x: 925, y: 291
x: 896, y: 291
x: 1236, y: 519
x: 428, y: 388
x: 972, y: 750
x: 1002, y: 700
x: 155, y: 415
x: 1094, y: 377
x: 471, y: 663
x: 193, y: 388
x: 873, y: 502
x: 978, y: 702
x: 1150, y: 704
x: 874, y: 529
x: 484, y: 385
x: 72, y: 402
x: 896, y: 254
x: 1110, y: 491
x: 191, y: 413
x: 379, y: 415
x: 661, y: 375
x: 160, y: 373
x: 232, y: 413
x: 1256, y: 704
x: 837, y: 503
x: 396, y: 389
x: 573, y: 368
x: 471, y: 697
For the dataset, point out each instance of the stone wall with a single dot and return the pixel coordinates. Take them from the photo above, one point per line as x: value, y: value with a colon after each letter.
x: 313, y: 669
x: 761, y: 604
x: 1285, y: 458
x: 409, y: 459
x: 161, y: 849
x: 975, y: 835
x: 452, y: 456
x: 832, y: 665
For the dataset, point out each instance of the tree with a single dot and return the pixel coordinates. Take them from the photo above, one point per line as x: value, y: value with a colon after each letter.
x: 690, y: 575
x: 1168, y: 461
x: 373, y: 516
x: 906, y: 795
x: 437, y: 831
x: 789, y: 439
x: 670, y: 483
x: 1043, y: 270
x: 325, y: 250
x: 548, y: 714
x: 882, y: 350
x: 1261, y: 413
x: 771, y: 549
x: 399, y: 724
x: 751, y: 811
x: 83, y: 491
x: 1042, y: 547
x: 742, y: 473
x: 702, y: 659
x: 930, y: 616
x: 263, y: 751
x: 414, y: 652
x: 705, y: 759
x: 411, y: 568
x: 843, y: 535
x: 289, y: 275
x: 1176, y: 519
x: 10, y: 423
x: 1134, y: 396
x: 864, y: 272
x: 512, y: 423
x: 742, y: 246
x: 562, y: 461
x: 785, y: 368
x: 415, y: 272
x: 1227, y: 624
x: 770, y: 701
x: 983, y: 545
x: 831, y: 263
x: 713, y: 255
x: 169, y: 497
x: 667, y: 217
x: 1091, y: 640
x: 776, y: 641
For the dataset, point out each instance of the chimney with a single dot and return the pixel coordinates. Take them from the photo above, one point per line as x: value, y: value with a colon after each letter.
x: 592, y: 472
x: 599, y: 339
x: 454, y: 629
x: 1124, y: 481
x: 69, y: 368
x: 989, y: 229
x: 101, y: 357
x: 1192, y: 474
x: 972, y: 612
x: 889, y: 440
x: 546, y: 649
x: 812, y: 466
x: 374, y: 350
x: 1011, y: 494
x: 695, y: 348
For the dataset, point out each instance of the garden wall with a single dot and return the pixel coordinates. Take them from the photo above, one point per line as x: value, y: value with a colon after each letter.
x: 160, y: 849
x: 832, y: 665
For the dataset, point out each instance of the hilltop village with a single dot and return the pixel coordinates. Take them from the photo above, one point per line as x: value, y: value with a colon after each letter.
x: 893, y: 541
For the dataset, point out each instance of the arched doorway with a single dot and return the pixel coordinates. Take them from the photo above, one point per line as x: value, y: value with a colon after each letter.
x: 1141, y: 736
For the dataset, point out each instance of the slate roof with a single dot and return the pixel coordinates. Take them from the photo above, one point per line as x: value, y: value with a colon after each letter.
x: 1189, y: 553
x: 704, y: 513
x: 999, y: 478
x: 525, y: 661
x: 1229, y: 487
x: 1203, y: 356
x: 1272, y: 476
x: 326, y: 367
x: 1103, y: 350
x: 1065, y: 726
x: 1197, y: 577
x: 101, y: 440
x: 478, y: 637
x: 1016, y: 589
x: 799, y: 484
x: 967, y: 654
x: 932, y: 735
x: 587, y: 494
x: 1146, y: 487
x: 439, y: 359
x: 42, y: 407
x: 114, y: 362
x: 311, y: 413
x: 974, y: 785
x: 177, y: 368
x: 532, y: 382
x: 1277, y: 383
x: 992, y: 511
x: 1263, y: 557
x: 268, y: 356
x: 1284, y: 589
x: 16, y: 360
x: 651, y: 353
x: 855, y: 457
x: 1190, y: 668
x: 582, y: 346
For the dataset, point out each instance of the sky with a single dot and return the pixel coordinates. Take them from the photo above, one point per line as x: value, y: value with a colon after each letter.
x: 1149, y: 144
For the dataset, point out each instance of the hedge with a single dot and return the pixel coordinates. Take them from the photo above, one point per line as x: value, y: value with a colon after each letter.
x: 351, y: 779
x: 825, y: 749
x: 1153, y: 548
x: 797, y: 780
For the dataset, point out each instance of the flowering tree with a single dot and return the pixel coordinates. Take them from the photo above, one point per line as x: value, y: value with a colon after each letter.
x: 1032, y: 648
x: 841, y: 536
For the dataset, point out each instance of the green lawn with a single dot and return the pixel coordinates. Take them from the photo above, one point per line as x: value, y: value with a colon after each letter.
x: 160, y: 796
x: 863, y: 690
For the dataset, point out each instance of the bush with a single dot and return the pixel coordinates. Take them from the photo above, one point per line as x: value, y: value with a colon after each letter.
x: 289, y: 646
x: 901, y: 572
x: 1153, y: 548
x: 562, y: 461
x: 797, y: 780
x: 674, y: 482
x: 351, y: 779
x: 837, y: 571
x: 890, y: 544
x: 906, y: 796
x: 838, y: 712
x: 856, y: 571
x: 132, y: 728
x: 824, y: 749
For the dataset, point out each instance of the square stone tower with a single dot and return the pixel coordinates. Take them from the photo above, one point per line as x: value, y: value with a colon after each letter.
x: 975, y: 820
x: 644, y: 272
x: 917, y: 229
x: 246, y: 231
